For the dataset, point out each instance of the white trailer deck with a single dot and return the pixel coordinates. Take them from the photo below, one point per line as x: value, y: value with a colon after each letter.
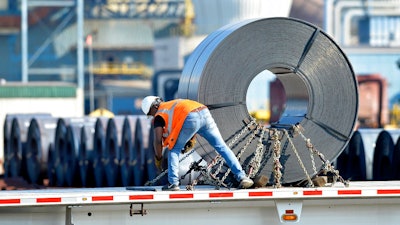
x: 359, y: 203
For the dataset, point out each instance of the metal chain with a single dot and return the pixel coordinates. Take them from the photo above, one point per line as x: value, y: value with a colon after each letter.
x: 256, y: 160
x: 211, y: 178
x: 312, y: 152
x: 298, y: 157
x: 327, y: 166
x: 152, y: 182
x: 219, y: 159
x: 244, y: 148
x: 276, y: 158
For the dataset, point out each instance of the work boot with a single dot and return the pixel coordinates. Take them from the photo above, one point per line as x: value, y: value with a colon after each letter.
x: 246, y: 183
x: 170, y: 187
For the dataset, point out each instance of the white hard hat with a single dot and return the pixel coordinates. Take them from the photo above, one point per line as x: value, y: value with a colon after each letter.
x: 147, y: 102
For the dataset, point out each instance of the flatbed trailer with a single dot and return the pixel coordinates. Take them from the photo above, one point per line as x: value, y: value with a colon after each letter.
x: 370, y: 202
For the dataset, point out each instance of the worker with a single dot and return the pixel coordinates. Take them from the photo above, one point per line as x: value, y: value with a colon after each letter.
x: 176, y: 122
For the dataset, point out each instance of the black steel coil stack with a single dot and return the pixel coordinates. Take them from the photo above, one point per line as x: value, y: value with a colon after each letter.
x: 79, y: 152
x: 371, y: 155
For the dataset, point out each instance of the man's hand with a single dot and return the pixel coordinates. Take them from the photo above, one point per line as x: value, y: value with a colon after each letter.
x: 189, y: 145
x: 158, y: 162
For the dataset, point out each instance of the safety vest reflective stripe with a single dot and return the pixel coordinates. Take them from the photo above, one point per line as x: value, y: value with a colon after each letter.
x: 170, y: 113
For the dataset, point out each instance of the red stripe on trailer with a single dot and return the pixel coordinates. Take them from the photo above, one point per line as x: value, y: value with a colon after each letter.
x: 315, y: 192
x: 141, y: 197
x: 177, y: 196
x: 10, y: 201
x: 221, y: 195
x: 260, y: 194
x: 48, y: 200
x: 349, y: 192
x: 102, y: 198
x: 388, y: 191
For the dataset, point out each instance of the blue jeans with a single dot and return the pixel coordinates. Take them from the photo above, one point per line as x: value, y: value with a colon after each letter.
x: 202, y: 123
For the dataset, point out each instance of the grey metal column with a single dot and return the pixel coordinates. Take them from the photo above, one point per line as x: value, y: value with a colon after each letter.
x: 24, y: 34
x: 79, y: 33
x: 24, y: 39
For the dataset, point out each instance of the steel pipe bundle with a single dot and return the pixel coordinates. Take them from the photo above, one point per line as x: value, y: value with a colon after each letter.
x: 320, y: 86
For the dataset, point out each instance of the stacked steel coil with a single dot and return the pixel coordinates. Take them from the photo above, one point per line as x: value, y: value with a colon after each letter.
x: 79, y: 152
x: 372, y: 154
x: 70, y: 152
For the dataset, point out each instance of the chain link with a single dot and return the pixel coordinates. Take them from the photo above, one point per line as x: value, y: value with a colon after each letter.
x: 212, y: 177
x: 298, y: 157
x: 235, y: 139
x: 255, y: 162
x: 327, y: 166
x: 244, y: 148
x: 276, y: 158
x: 152, y: 182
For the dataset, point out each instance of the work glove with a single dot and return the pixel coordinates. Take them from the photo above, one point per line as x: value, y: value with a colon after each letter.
x: 189, y: 145
x: 158, y: 162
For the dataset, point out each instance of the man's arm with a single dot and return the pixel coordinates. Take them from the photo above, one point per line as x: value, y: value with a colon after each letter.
x: 157, y: 142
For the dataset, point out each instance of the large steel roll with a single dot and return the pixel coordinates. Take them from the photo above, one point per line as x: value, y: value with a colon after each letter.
x: 383, y: 157
x: 130, y: 164
x: 15, y: 161
x: 9, y: 171
x: 319, y: 82
x: 112, y: 151
x: 396, y: 160
x: 60, y: 154
x: 143, y: 145
x: 13, y: 154
x: 86, y: 153
x: 351, y: 162
x: 99, y: 145
x: 76, y: 162
x: 40, y: 138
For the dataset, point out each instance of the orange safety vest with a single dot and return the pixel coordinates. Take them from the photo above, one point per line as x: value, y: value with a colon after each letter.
x: 174, y: 114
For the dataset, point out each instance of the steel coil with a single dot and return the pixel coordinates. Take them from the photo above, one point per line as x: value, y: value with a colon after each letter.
x: 112, y: 151
x: 15, y: 150
x: 15, y: 155
x: 383, y: 157
x: 130, y: 167
x: 396, y: 160
x: 85, y: 156
x: 351, y: 163
x: 41, y: 135
x: 99, y: 144
x: 319, y: 82
x: 77, y: 162
x: 145, y: 148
